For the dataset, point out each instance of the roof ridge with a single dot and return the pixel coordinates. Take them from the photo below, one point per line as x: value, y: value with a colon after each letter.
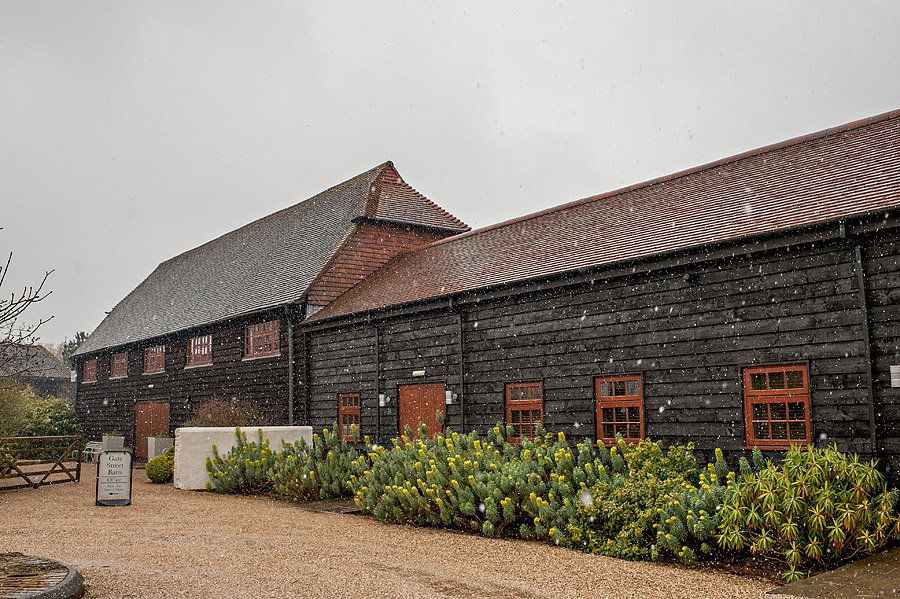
x: 858, y: 124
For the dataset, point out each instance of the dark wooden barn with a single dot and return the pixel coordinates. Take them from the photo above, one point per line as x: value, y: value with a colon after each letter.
x: 750, y: 302
x: 220, y: 321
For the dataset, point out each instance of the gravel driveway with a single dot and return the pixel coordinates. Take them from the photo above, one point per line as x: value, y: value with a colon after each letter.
x: 172, y: 543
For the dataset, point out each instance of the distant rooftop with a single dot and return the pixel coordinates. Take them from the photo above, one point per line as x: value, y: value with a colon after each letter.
x: 31, y: 361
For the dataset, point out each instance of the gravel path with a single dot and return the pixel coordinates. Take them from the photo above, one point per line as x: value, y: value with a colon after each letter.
x: 172, y: 543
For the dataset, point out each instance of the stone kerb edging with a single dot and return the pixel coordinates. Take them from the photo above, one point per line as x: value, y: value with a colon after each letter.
x: 194, y: 444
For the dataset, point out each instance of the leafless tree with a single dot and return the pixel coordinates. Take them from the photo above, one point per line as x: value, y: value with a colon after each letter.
x: 15, y: 337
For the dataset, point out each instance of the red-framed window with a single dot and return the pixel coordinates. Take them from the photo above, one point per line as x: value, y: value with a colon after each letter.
x: 261, y: 339
x: 620, y: 408
x: 524, y: 409
x: 118, y: 365
x: 199, y: 351
x: 89, y: 371
x: 776, y: 406
x: 348, y: 414
x: 155, y: 359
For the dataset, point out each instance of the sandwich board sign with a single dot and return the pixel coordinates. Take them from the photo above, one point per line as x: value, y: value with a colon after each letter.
x: 114, y: 478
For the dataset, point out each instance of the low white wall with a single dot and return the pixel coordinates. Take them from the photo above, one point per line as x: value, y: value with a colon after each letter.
x: 193, y: 445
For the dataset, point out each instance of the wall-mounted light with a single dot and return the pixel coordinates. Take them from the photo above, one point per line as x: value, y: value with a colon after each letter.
x: 448, y: 397
x: 895, y: 376
x: 383, y: 400
x: 418, y: 372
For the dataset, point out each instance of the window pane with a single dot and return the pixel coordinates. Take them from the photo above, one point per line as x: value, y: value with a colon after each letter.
x: 796, y: 411
x: 619, y: 388
x: 778, y: 411
x: 795, y: 379
x: 761, y: 430
x: 606, y: 389
x: 760, y: 411
x: 633, y: 387
x: 620, y: 413
x: 758, y: 381
x: 607, y: 414
x: 798, y: 431
x: 634, y: 431
x: 634, y: 414
x: 776, y: 380
x: 608, y: 431
x: 515, y: 417
x: 779, y: 430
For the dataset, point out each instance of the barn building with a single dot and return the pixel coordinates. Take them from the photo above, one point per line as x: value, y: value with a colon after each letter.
x: 750, y: 302
x: 220, y: 321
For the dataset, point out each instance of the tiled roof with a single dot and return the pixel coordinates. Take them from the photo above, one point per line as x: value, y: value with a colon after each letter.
x: 841, y: 172
x: 395, y: 201
x: 265, y: 264
x: 34, y: 361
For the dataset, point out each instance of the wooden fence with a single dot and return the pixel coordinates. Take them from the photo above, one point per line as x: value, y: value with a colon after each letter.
x: 35, y: 459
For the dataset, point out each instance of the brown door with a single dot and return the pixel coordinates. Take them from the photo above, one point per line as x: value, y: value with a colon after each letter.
x: 420, y: 403
x: 150, y: 418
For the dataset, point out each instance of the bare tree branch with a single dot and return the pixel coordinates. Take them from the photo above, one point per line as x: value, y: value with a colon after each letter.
x: 15, y: 337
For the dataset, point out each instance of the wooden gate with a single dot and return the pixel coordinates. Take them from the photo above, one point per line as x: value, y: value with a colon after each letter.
x: 28, y: 458
x: 150, y: 418
x: 419, y: 404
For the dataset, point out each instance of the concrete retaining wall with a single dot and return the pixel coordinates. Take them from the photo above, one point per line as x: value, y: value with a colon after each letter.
x: 194, y: 444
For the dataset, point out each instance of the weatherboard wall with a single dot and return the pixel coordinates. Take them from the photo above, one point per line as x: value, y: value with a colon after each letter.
x: 882, y: 260
x: 107, y: 405
x: 687, y: 330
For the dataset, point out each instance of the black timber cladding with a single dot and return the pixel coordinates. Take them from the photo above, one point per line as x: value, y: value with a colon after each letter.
x: 688, y: 330
x: 108, y: 405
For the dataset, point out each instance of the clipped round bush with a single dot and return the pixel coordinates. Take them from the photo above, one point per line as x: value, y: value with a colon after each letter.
x: 161, y: 468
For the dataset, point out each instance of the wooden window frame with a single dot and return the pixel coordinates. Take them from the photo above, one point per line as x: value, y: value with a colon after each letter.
x: 196, y: 356
x: 349, y: 409
x: 524, y: 405
x: 255, y: 341
x: 614, y: 401
x: 118, y: 365
x: 89, y: 369
x: 771, y: 397
x: 155, y: 359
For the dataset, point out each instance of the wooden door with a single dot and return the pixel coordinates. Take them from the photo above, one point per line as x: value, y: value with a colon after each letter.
x: 150, y: 418
x: 419, y: 404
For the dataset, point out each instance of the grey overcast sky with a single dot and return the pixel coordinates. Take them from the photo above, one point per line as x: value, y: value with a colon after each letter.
x: 133, y: 131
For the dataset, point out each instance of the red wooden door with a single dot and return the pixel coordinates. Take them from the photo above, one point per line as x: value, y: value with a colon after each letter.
x: 420, y: 404
x: 150, y: 418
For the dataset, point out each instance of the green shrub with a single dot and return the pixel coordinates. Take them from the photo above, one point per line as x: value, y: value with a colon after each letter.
x: 322, y: 471
x: 459, y: 481
x: 818, y: 508
x: 161, y: 468
x: 49, y: 416
x: 244, y: 469
x: 617, y: 514
x: 688, y: 519
x: 14, y: 400
x: 604, y: 503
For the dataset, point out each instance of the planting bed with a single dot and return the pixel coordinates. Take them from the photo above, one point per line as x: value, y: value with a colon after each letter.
x: 171, y: 543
